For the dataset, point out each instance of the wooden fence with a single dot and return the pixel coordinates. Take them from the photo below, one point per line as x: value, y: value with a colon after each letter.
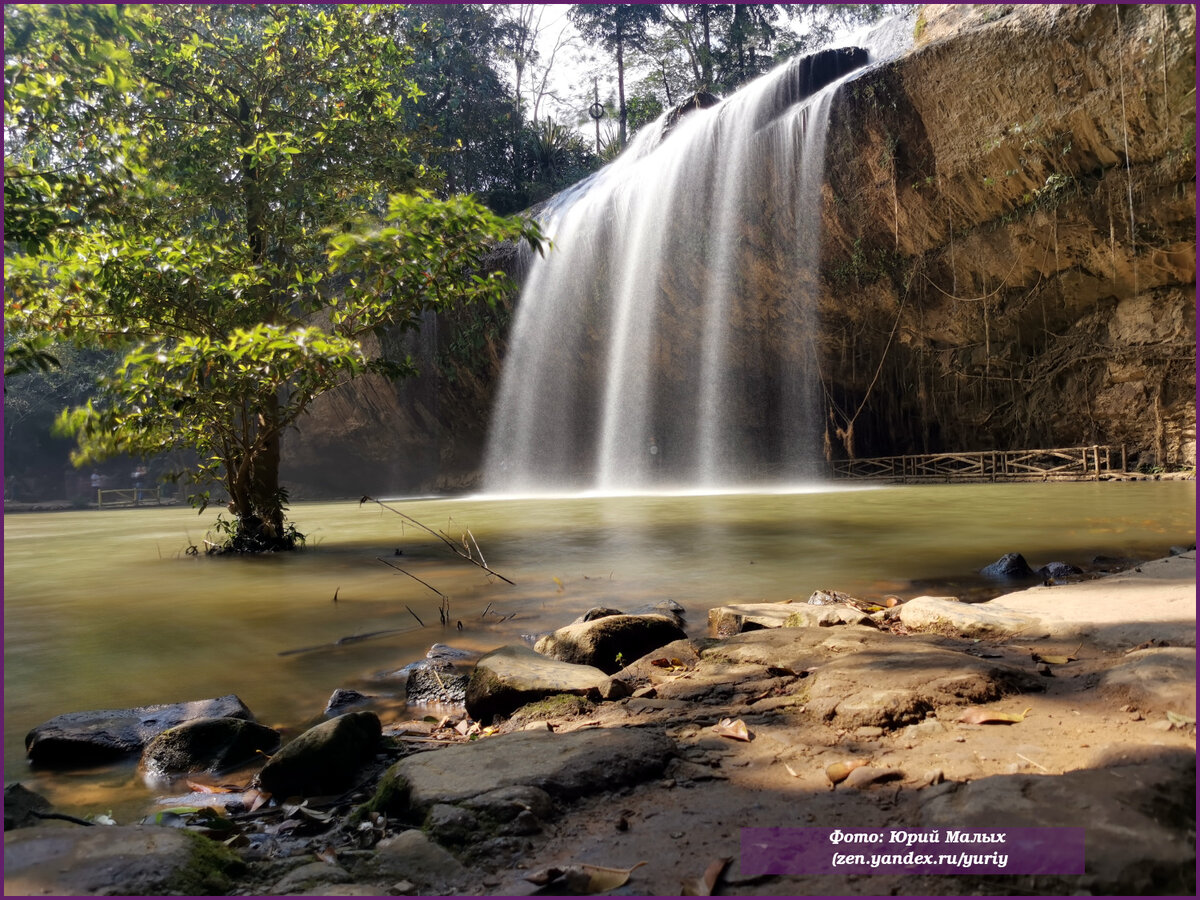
x: 124, y: 497
x: 1063, y: 464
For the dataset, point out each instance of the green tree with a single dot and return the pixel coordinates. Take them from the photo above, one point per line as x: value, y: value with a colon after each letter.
x: 620, y: 27
x: 252, y: 244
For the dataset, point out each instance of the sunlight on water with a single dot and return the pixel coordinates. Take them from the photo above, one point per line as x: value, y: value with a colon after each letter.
x: 107, y: 610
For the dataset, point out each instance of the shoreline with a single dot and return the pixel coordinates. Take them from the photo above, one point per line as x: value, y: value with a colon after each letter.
x: 710, y: 785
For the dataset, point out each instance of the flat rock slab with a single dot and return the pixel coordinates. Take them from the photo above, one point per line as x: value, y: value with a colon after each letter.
x: 1161, y: 679
x: 790, y: 648
x: 565, y: 766
x: 102, y: 735
x: 736, y: 618
x: 1154, y: 601
x: 967, y: 619
x: 1138, y: 821
x: 895, y: 680
x: 126, y: 860
x: 511, y: 676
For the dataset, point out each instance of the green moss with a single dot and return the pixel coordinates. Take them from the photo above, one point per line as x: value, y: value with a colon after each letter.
x: 209, y: 872
x: 919, y: 28
x: 392, y: 798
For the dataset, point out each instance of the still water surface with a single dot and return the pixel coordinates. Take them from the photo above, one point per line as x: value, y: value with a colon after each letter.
x: 106, y: 609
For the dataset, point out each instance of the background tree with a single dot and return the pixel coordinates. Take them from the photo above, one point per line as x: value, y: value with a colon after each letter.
x: 619, y: 27
x: 245, y: 139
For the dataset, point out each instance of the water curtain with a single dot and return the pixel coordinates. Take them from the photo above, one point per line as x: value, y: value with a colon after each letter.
x: 667, y: 341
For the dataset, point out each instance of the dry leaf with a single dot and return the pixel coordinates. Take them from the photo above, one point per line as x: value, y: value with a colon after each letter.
x: 670, y: 664
x: 733, y: 729
x: 791, y: 771
x: 1177, y: 719
x: 865, y: 775
x: 207, y: 788
x: 583, y: 878
x: 975, y: 716
x: 838, y: 772
x: 1053, y: 660
x: 703, y: 886
x: 254, y: 798
x: 327, y: 855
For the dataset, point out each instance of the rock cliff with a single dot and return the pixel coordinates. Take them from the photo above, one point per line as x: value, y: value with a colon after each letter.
x: 1009, y: 236
x: 1008, y: 261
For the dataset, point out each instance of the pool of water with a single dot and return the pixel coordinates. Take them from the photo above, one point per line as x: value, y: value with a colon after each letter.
x: 107, y: 609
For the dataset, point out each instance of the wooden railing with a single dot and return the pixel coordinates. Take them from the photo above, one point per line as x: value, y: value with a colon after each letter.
x: 1060, y: 464
x: 122, y: 497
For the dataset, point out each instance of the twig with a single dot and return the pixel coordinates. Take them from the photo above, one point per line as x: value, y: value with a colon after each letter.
x: 1032, y: 763
x: 414, y: 615
x: 440, y: 537
x: 63, y: 816
x: 486, y: 608
x: 410, y: 575
x: 349, y: 639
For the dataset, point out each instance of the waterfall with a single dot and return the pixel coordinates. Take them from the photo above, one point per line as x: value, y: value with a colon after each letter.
x: 667, y: 338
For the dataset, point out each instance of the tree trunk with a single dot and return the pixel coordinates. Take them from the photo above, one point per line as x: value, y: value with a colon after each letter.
x: 621, y: 84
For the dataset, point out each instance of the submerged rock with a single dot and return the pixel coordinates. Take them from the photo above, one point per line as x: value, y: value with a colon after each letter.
x: 511, y: 676
x: 207, y: 745
x: 123, y: 860
x: 103, y: 735
x: 611, y: 642
x: 21, y: 806
x: 324, y: 759
x: 343, y: 699
x: 434, y: 681
x: 1059, y: 570
x: 1010, y: 565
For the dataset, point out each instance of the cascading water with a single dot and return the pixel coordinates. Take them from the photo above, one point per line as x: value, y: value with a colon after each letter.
x: 666, y: 340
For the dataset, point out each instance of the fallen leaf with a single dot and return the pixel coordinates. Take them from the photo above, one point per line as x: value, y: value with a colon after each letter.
x: 733, y: 729
x: 671, y: 664
x: 1176, y: 719
x: 791, y: 771
x: 207, y: 788
x: 865, y: 775
x: 1053, y: 660
x: 327, y: 855
x: 975, y: 716
x: 703, y: 886
x: 583, y: 878
x: 838, y: 772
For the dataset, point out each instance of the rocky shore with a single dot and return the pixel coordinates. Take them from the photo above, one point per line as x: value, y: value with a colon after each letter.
x: 620, y: 755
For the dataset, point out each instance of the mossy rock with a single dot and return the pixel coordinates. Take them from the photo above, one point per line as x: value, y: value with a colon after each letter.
x: 325, y: 759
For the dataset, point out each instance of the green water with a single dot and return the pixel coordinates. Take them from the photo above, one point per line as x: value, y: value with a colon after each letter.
x: 106, y: 609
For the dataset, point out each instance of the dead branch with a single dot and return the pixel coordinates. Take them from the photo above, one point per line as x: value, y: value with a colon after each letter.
x: 410, y: 575
x: 441, y: 537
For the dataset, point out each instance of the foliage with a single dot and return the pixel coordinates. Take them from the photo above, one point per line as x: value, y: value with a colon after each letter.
x: 242, y: 265
x: 619, y: 27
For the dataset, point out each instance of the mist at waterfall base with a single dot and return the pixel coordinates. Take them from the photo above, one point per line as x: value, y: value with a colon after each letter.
x: 643, y: 356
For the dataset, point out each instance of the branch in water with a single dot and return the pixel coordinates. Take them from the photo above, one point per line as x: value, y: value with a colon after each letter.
x: 440, y: 537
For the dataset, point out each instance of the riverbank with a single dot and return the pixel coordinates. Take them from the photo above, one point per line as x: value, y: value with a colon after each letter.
x: 667, y: 776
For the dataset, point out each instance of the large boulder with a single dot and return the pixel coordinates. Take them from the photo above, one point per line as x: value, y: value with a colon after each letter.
x: 1140, y: 821
x: 324, y: 759
x: 103, y: 735
x: 564, y: 766
x: 207, y: 745
x: 610, y: 643
x: 121, y: 860
x: 513, y: 675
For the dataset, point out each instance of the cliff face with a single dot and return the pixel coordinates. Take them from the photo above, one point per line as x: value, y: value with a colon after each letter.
x: 1008, y: 261
x: 1009, y: 236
